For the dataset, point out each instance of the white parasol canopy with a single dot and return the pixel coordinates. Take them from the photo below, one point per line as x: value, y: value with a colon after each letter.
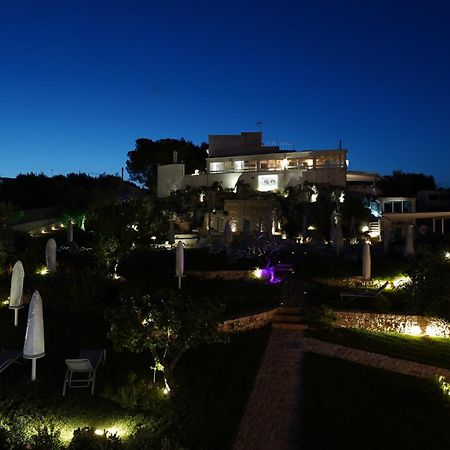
x: 409, y: 246
x: 15, y: 296
x: 179, y: 262
x: 50, y: 255
x: 366, y: 262
x: 34, y: 345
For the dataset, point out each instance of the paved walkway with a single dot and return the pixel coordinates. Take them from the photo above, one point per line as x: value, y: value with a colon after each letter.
x: 271, y: 420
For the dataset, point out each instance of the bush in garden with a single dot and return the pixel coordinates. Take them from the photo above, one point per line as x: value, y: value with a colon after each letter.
x: 429, y: 290
x: 87, y: 439
x: 13, y: 433
x: 137, y: 393
x: 322, y: 317
x: 47, y: 438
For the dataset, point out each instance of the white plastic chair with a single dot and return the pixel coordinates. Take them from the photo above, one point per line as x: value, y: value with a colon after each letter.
x: 81, y: 372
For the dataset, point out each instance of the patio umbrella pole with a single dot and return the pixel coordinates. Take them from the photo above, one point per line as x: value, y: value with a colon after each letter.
x: 16, y: 317
x: 179, y: 282
x: 33, y: 369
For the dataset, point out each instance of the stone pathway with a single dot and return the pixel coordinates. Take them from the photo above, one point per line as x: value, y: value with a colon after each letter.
x: 271, y: 419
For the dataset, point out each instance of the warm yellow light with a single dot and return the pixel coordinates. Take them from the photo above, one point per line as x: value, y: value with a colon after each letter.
x: 166, y: 389
x: 99, y: 432
x: 311, y: 228
x: 443, y: 384
x: 365, y: 228
x: 257, y: 273
x: 413, y: 330
x: 285, y: 163
x: 401, y: 281
x: 447, y: 255
x: 42, y: 271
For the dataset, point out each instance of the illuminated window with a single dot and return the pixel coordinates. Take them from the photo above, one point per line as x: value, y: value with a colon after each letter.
x: 238, y: 166
x: 267, y: 182
x: 250, y: 165
x: 216, y: 167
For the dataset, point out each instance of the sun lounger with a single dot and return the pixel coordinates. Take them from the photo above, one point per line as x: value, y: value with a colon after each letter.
x: 351, y: 295
x: 8, y: 357
x: 81, y: 372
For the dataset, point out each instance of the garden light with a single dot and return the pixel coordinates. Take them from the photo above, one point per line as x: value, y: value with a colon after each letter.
x: 447, y: 255
x: 42, y: 271
x: 257, y: 273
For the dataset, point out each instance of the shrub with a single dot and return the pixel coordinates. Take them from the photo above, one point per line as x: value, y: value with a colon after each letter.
x: 13, y: 433
x: 87, y: 439
x: 47, y: 438
x: 322, y: 317
x: 136, y: 393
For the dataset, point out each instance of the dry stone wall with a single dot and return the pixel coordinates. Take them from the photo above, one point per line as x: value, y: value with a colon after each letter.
x: 393, y: 323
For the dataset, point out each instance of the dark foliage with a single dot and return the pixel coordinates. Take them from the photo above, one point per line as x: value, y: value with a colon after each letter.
x: 143, y: 161
x: 406, y: 184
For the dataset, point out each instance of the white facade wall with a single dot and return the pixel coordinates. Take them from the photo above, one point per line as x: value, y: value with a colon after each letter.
x: 170, y: 178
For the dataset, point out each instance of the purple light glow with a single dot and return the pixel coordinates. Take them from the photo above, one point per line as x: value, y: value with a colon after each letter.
x: 269, y: 274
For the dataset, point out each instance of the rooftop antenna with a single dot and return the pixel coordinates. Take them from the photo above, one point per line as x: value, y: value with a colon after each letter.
x: 259, y: 125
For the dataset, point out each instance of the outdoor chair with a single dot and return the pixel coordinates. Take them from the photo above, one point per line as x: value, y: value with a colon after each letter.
x: 366, y: 293
x: 81, y: 372
x: 8, y: 357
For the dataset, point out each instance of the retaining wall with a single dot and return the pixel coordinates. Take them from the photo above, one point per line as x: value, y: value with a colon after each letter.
x: 393, y: 323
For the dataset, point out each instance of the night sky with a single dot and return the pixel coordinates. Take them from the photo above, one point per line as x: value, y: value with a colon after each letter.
x: 81, y: 80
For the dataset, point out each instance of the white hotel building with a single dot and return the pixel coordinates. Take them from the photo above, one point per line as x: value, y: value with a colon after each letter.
x: 244, y: 158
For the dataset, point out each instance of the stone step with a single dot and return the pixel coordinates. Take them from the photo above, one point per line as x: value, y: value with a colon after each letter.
x: 291, y: 309
x: 295, y: 318
x: 290, y: 326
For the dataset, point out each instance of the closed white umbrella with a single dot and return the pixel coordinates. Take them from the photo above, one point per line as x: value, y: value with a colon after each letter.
x: 409, y: 246
x: 366, y: 262
x: 15, y: 295
x: 179, y: 262
x: 34, y: 346
x: 50, y: 255
x: 227, y: 234
x: 338, y: 238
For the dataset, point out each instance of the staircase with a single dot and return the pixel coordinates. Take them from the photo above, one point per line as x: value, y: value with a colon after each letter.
x: 375, y: 230
x: 291, y: 318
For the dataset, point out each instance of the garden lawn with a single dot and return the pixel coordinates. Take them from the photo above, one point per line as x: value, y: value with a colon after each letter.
x: 431, y: 351
x: 214, y: 383
x: 348, y: 406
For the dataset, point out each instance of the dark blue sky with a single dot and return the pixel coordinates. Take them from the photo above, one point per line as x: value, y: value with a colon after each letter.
x: 81, y: 80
